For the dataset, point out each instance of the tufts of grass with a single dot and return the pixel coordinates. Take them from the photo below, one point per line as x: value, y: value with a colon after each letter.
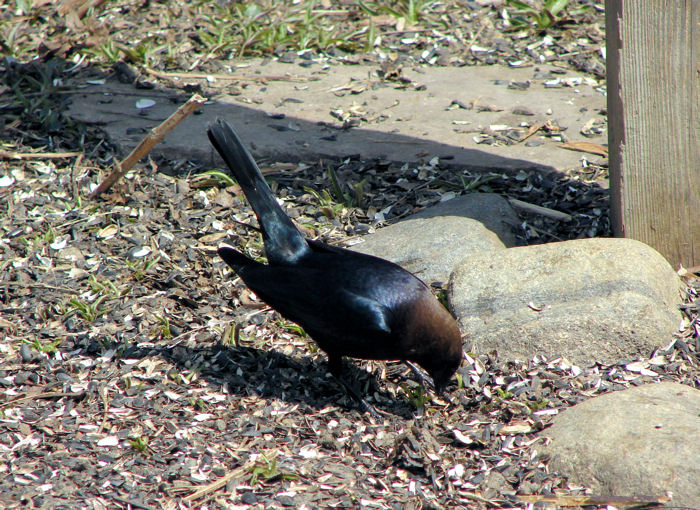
x: 92, y: 305
x: 538, y: 15
x: 291, y: 327
x: 410, y: 10
x: 184, y: 379
x: 354, y: 199
x: 141, y: 267
x: 35, y: 97
x: 198, y: 404
x: 163, y: 330
x: 13, y: 38
x: 88, y: 311
x: 107, y: 51
x: 129, y: 384
x: 47, y: 348
x: 504, y: 394
x: 140, y: 444
x: 417, y: 397
x: 219, y: 30
x: 538, y: 404
x: 255, y: 249
x: 334, y: 201
x: 267, y: 469
x: 216, y: 177
x: 39, y: 239
x: 107, y: 288
x: 266, y: 27
x: 328, y: 206
x: 442, y: 297
x: 231, y: 335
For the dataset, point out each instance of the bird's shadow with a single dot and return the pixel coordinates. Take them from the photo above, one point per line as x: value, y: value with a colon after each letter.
x: 270, y: 374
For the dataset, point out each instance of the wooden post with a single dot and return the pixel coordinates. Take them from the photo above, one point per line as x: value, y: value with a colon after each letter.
x: 653, y: 62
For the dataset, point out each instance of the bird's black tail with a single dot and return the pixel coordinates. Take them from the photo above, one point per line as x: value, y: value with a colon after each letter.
x: 284, y: 244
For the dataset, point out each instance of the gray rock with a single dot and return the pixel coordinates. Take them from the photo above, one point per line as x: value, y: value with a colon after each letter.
x: 588, y: 299
x: 432, y: 242
x: 492, y: 210
x: 644, y: 441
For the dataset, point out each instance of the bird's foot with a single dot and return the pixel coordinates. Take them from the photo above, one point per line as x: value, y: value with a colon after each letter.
x: 366, y: 406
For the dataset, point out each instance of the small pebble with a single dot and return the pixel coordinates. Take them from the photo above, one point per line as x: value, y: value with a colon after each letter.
x: 286, y: 500
x: 26, y: 353
x: 288, y: 57
x: 249, y: 498
x: 63, y: 377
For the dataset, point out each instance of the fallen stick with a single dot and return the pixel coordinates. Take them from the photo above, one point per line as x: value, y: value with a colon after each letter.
x: 154, y: 137
x: 50, y: 394
x: 248, y: 467
x: 589, y: 147
x: 221, y: 76
x: 531, y: 131
x: 37, y: 155
x: 574, y: 500
x: 538, y: 209
x: 217, y: 484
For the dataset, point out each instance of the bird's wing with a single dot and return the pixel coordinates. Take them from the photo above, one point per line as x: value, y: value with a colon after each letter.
x: 312, y: 298
x: 284, y: 244
x: 372, y: 314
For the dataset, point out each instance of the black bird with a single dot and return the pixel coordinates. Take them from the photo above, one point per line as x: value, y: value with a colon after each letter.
x: 350, y: 303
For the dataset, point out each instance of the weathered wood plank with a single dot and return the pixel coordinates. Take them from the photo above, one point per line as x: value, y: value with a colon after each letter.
x: 653, y: 59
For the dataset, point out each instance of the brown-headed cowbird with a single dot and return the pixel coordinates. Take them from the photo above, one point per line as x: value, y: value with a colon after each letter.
x: 350, y: 303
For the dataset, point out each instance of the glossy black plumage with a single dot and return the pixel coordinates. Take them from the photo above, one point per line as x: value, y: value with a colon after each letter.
x: 351, y: 304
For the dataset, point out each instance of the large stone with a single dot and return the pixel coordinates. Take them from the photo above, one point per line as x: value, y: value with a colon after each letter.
x: 588, y: 299
x: 639, y: 442
x: 491, y: 209
x: 432, y: 242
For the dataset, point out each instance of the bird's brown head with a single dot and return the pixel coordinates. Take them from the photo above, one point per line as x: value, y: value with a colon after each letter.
x: 445, y: 362
x: 436, y: 340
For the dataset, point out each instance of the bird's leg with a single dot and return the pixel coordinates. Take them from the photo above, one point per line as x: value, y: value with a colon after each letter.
x: 335, y: 367
x: 366, y: 406
x: 416, y: 371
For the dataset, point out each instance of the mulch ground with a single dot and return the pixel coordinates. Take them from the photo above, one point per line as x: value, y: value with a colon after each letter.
x: 136, y: 371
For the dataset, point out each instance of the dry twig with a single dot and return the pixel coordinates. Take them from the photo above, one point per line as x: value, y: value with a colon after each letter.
x: 217, y: 484
x: 221, y: 76
x: 37, y: 155
x: 538, y: 209
x: 589, y: 147
x: 572, y: 500
x: 531, y: 131
x: 48, y: 394
x: 155, y: 136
